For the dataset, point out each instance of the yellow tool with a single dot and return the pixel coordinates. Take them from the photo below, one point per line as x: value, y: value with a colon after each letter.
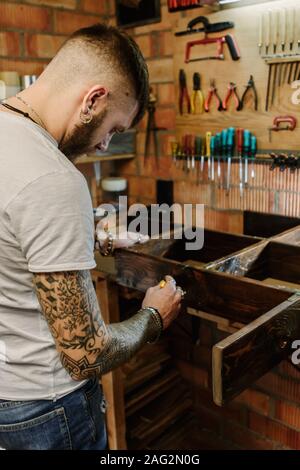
x: 197, y: 95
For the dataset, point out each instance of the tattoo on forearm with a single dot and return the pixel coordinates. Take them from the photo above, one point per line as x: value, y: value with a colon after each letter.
x: 86, y: 345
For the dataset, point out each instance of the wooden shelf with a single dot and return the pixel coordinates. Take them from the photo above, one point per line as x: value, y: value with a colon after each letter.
x: 103, y: 158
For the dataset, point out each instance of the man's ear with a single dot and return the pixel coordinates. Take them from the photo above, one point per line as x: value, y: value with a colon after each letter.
x: 95, y: 99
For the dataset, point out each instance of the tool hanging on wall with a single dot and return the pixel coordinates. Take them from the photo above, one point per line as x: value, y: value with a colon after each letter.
x: 212, y: 92
x: 281, y: 71
x: 152, y: 129
x: 183, y: 93
x: 250, y: 87
x: 206, y: 28
x: 290, y: 122
x: 197, y: 100
x: 179, y: 5
x: 284, y: 161
x: 232, y: 93
x: 220, y: 41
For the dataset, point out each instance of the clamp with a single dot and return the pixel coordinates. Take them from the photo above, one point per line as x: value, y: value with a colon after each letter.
x: 289, y: 120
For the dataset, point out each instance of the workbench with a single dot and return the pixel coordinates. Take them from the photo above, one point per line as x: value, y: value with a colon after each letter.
x: 252, y: 281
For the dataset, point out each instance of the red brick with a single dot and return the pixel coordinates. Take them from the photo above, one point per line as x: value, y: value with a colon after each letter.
x: 274, y: 431
x: 166, y: 93
x: 69, y: 4
x: 166, y: 42
x: 257, y: 401
x: 95, y: 6
x: 67, y: 22
x: 22, y: 67
x: 161, y: 70
x: 43, y: 45
x: 144, y: 44
x: 9, y: 44
x: 288, y: 414
x: 279, y: 386
x: 24, y: 17
x: 166, y: 117
x: 245, y: 438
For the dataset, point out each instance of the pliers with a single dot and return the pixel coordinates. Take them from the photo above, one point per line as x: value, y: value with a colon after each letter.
x: 183, y: 95
x: 250, y: 86
x: 197, y: 94
x: 213, y: 92
x: 232, y: 92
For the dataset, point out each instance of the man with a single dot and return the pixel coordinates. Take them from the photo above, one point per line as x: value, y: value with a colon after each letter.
x: 54, y: 344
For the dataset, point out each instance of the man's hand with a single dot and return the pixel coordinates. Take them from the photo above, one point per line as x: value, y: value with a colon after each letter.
x: 166, y: 300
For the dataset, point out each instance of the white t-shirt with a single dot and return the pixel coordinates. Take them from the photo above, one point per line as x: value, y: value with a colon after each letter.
x: 46, y: 225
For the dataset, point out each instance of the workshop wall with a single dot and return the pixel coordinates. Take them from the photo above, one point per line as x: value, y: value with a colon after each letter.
x: 273, y: 192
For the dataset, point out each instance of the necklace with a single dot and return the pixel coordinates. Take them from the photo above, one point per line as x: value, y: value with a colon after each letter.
x: 30, y: 107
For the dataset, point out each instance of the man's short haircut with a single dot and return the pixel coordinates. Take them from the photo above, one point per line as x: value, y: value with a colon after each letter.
x: 122, y: 52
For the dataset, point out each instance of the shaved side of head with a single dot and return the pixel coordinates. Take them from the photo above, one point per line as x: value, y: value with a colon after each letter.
x: 101, y: 54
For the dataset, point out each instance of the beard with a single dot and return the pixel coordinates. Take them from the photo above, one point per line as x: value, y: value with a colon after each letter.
x: 81, y: 138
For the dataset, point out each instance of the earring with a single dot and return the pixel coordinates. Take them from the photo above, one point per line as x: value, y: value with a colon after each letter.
x: 86, y: 117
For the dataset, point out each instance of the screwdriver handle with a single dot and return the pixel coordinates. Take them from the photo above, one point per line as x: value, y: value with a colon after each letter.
x: 223, y: 141
x: 247, y: 140
x: 253, y: 146
x: 207, y: 138
x: 212, y: 145
x: 282, y: 27
x: 240, y: 135
x: 198, y: 145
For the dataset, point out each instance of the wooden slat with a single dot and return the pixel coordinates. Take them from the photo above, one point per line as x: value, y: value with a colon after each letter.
x: 238, y: 299
x: 246, y: 355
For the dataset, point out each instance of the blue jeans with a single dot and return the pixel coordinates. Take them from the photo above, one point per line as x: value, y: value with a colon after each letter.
x: 76, y: 421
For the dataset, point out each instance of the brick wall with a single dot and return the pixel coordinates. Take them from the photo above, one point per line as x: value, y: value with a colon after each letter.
x: 33, y: 30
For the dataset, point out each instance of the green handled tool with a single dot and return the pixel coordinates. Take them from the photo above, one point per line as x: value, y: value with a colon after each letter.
x: 218, y: 142
x: 230, y: 150
x: 240, y: 135
x: 223, y: 150
x: 253, y: 149
x: 246, y: 151
x: 212, y: 156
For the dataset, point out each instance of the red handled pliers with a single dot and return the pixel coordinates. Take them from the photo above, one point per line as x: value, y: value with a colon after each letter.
x: 232, y: 92
x: 212, y: 92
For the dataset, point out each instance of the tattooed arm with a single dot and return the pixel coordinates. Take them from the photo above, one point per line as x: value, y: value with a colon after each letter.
x: 86, y: 345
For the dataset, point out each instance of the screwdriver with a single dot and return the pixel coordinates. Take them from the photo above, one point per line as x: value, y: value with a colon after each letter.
x: 198, y: 148
x: 223, y: 149
x: 207, y: 139
x: 239, y: 133
x: 253, y: 154
x: 217, y: 153
x: 230, y: 150
x: 246, y: 150
x: 212, y: 156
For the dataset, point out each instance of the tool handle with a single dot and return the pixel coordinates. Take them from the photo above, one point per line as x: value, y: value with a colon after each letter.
x: 274, y: 26
x: 198, y: 145
x: 282, y: 26
x: 266, y: 21
x: 260, y: 31
x: 253, y: 146
x: 207, y: 138
x: 223, y: 141
x: 240, y: 135
x: 233, y: 47
x: 290, y: 26
x: 218, y: 141
x: 247, y: 140
x: 212, y: 145
x: 297, y: 28
x: 230, y: 140
x: 199, y: 19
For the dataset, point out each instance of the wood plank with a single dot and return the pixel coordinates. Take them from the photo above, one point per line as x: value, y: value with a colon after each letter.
x: 246, y: 355
x: 268, y: 225
x: 231, y: 297
x: 112, y: 382
x: 85, y: 159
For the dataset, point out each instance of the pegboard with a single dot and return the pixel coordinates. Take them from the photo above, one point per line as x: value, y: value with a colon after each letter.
x: 246, y: 33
